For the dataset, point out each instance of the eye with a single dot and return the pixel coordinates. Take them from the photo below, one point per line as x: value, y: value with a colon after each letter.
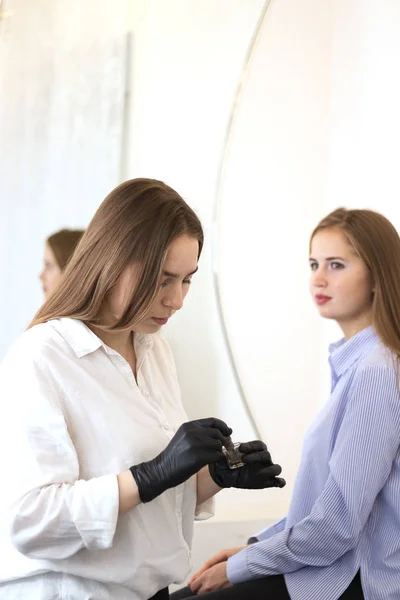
x: 186, y: 281
x: 336, y: 265
x: 313, y: 266
x: 49, y: 266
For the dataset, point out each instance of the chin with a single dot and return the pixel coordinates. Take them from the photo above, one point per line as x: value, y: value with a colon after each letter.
x: 329, y: 317
x: 150, y: 328
x: 326, y: 314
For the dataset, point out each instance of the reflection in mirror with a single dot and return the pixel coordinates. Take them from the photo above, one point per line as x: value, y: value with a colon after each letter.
x: 217, y: 213
x: 60, y: 133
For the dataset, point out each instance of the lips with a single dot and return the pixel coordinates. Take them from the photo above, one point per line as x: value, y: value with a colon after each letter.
x: 160, y: 321
x: 321, y: 299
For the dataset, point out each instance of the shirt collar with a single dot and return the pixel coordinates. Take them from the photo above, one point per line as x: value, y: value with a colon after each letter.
x: 84, y: 341
x: 343, y: 354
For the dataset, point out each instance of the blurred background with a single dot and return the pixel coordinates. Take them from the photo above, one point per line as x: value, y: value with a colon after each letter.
x: 264, y: 116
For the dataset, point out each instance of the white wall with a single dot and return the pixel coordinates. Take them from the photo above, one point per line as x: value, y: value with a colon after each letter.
x: 365, y: 106
x: 365, y: 118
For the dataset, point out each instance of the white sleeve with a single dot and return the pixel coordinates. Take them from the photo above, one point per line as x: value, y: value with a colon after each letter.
x: 52, y: 513
x: 205, y: 510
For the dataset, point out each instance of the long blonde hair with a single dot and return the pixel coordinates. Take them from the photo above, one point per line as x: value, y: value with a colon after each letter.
x: 377, y: 243
x: 136, y: 223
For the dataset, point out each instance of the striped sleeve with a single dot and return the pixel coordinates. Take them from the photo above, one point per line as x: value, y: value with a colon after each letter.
x: 365, y: 448
x: 264, y: 534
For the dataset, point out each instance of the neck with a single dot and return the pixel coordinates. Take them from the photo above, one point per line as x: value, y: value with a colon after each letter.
x: 351, y: 328
x: 120, y: 341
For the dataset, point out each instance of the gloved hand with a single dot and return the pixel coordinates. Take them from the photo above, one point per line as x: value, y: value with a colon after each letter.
x: 258, y: 471
x: 195, y: 444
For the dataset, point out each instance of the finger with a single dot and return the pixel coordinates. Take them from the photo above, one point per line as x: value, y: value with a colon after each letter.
x: 205, y: 586
x: 212, y: 436
x: 220, y: 556
x: 196, y: 585
x: 227, y: 440
x: 254, y: 446
x: 199, y: 571
x: 280, y: 482
x: 216, y: 423
x: 272, y: 471
x: 212, y: 439
x: 216, y: 434
x: 263, y: 458
x: 193, y: 578
x: 197, y: 575
x: 267, y: 476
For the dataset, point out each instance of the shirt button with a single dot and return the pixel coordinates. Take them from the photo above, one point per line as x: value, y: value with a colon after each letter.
x: 165, y: 427
x: 145, y: 393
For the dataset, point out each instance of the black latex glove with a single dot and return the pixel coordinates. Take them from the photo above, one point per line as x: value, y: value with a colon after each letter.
x: 257, y: 473
x: 195, y: 444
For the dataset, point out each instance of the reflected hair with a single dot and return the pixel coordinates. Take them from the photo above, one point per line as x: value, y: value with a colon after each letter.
x: 376, y: 241
x: 135, y: 224
x: 63, y: 243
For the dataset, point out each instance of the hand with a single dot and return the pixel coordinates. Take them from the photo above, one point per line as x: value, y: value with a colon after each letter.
x: 219, y: 557
x: 195, y: 444
x: 214, y: 578
x: 258, y: 471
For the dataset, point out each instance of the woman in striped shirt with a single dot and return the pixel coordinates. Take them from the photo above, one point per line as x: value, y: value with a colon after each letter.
x: 341, y: 536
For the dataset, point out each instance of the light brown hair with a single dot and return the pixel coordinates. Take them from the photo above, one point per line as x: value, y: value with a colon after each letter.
x: 63, y: 243
x: 136, y: 223
x: 377, y: 243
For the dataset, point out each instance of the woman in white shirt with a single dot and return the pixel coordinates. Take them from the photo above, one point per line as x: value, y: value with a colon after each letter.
x: 102, y: 477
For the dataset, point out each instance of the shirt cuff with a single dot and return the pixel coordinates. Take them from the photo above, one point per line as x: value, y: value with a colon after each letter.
x: 236, y: 568
x: 95, y: 510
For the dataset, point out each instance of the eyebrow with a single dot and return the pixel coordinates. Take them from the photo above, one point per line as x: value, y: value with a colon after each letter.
x: 330, y: 258
x: 169, y: 274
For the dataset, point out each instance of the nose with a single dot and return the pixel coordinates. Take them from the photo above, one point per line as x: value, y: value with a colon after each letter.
x: 174, y: 298
x: 41, y: 275
x: 318, y: 278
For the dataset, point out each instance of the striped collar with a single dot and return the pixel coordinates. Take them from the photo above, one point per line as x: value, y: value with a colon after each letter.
x: 343, y: 354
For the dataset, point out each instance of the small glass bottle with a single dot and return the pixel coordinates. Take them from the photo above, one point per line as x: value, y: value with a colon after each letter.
x: 232, y: 454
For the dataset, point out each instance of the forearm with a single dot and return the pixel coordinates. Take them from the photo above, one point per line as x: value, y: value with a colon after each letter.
x: 267, y: 532
x: 128, y: 492
x: 206, y: 486
x: 58, y: 520
x: 304, y: 544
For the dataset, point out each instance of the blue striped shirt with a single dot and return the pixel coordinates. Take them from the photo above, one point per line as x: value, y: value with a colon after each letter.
x: 345, y: 510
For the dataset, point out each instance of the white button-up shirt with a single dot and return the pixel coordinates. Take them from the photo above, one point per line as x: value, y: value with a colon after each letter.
x: 73, y: 417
